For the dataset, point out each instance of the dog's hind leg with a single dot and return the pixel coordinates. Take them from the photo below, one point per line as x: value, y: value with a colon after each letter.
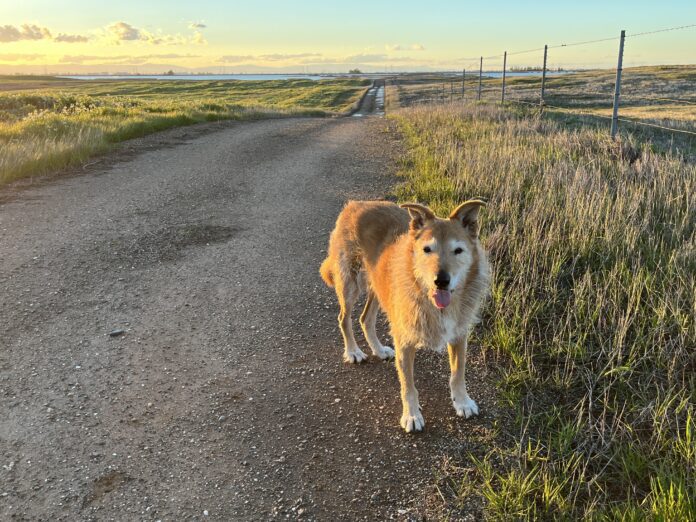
x: 463, y: 404
x: 368, y: 321
x: 348, y: 291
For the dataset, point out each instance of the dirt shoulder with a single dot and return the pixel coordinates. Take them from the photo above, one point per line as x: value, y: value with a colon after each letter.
x: 225, y: 396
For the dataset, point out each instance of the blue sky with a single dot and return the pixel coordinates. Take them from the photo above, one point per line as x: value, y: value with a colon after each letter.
x: 320, y: 36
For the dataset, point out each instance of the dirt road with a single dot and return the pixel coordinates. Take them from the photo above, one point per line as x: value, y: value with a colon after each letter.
x: 221, y: 394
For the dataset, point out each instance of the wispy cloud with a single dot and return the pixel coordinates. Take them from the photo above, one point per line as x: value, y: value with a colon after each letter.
x: 10, y: 33
x: 197, y: 25
x: 71, y: 38
x: 236, y: 58
x: 20, y: 57
x: 276, y: 57
x: 124, y: 32
x: 198, y: 38
x: 399, y: 47
x: 123, y: 58
x: 285, y: 57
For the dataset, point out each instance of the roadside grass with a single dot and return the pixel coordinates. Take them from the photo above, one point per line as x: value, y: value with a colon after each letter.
x: 45, y: 130
x: 593, y: 306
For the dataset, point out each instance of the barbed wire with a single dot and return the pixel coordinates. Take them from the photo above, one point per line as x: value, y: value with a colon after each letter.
x: 603, y: 116
x: 647, y: 124
x: 657, y: 98
x: 585, y: 42
x: 661, y: 30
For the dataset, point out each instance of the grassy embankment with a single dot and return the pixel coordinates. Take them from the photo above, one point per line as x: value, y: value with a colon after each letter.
x: 593, y: 245
x: 64, y: 122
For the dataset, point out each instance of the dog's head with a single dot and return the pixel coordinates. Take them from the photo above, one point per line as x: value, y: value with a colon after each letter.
x: 444, y: 250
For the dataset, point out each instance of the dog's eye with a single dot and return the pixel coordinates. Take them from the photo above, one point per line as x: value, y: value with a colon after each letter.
x: 457, y: 251
x: 427, y: 250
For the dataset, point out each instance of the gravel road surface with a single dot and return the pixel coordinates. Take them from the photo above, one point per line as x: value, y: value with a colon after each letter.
x: 169, y: 352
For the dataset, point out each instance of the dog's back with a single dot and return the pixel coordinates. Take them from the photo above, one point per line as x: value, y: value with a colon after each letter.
x: 363, y: 229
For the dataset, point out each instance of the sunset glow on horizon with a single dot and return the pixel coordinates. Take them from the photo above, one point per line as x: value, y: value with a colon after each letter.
x: 38, y: 37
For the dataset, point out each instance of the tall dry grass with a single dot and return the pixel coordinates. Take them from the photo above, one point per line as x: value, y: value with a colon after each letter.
x: 593, y: 306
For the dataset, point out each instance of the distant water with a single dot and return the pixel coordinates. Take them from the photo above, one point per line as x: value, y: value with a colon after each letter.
x: 197, y: 77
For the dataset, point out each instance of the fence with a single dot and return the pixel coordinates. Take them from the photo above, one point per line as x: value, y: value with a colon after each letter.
x: 656, y: 102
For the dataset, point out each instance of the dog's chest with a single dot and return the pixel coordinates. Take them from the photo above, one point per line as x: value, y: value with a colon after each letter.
x: 449, y: 328
x: 441, y: 330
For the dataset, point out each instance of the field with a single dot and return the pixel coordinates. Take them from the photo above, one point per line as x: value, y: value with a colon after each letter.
x: 48, y: 123
x: 661, y: 95
x: 591, y: 317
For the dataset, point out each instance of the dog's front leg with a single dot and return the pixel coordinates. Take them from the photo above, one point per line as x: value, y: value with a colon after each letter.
x: 411, y: 419
x: 464, y: 405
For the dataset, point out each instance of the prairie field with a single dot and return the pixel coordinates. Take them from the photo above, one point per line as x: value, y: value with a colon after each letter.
x: 659, y: 95
x: 591, y: 319
x: 60, y: 123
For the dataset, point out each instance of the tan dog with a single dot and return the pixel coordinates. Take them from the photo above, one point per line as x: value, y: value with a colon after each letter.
x: 429, y: 275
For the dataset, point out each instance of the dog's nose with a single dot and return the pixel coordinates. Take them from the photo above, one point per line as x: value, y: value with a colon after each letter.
x: 442, y: 280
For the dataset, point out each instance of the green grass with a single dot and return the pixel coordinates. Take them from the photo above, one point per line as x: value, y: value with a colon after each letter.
x: 49, y: 128
x: 593, y: 245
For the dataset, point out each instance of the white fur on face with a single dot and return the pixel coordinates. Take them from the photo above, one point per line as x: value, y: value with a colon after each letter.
x: 423, y: 274
x: 461, y: 262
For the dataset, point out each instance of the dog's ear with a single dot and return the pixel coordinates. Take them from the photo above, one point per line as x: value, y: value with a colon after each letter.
x: 419, y: 214
x: 467, y: 214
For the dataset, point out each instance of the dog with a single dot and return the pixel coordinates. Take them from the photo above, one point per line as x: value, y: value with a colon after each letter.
x: 429, y: 275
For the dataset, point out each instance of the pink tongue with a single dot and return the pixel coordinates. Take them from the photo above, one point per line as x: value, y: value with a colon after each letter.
x: 442, y: 298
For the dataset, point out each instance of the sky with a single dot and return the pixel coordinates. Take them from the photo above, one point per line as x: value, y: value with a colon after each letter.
x: 273, y: 36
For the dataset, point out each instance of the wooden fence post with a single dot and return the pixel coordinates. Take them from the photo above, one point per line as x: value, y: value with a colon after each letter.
x: 480, y: 75
x: 502, y: 98
x: 543, y: 76
x: 617, y: 88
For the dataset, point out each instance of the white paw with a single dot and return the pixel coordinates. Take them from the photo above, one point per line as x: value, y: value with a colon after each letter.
x: 412, y: 422
x: 385, y: 353
x: 466, y: 408
x: 355, y: 356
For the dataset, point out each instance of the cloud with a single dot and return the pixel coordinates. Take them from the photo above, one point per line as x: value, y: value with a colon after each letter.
x: 236, y: 58
x: 356, y: 58
x: 125, y: 32
x: 123, y: 58
x: 276, y: 57
x: 197, y: 25
x: 71, y: 38
x: 398, y: 47
x: 10, y: 33
x: 283, y: 57
x: 18, y: 57
x: 198, y: 39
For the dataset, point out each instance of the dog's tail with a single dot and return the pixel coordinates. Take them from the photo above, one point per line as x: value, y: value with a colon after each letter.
x: 327, y: 273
